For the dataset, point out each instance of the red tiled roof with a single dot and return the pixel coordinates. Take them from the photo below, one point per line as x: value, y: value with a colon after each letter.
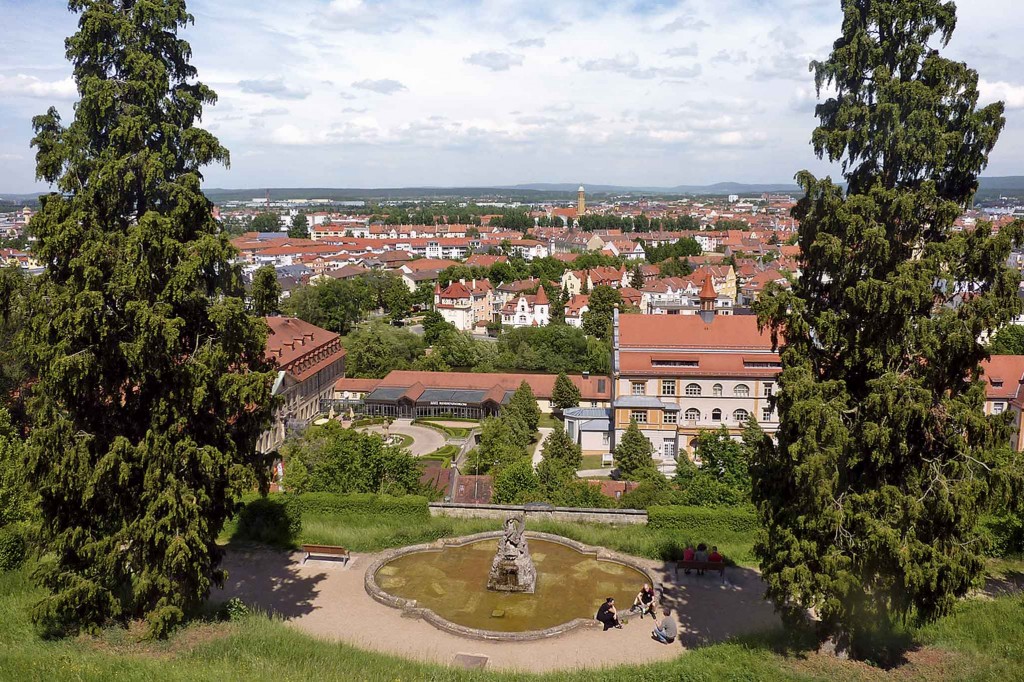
x: 301, y: 348
x: 723, y: 332
x: 1007, y: 370
x: 541, y: 384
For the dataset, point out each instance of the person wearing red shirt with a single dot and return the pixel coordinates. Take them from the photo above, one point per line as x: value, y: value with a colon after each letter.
x: 688, y: 554
x: 714, y: 556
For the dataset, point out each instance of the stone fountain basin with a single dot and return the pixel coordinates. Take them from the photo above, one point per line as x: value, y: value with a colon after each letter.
x: 413, y: 608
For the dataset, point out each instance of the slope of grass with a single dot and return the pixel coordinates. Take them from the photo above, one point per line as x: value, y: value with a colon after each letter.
x: 982, y: 640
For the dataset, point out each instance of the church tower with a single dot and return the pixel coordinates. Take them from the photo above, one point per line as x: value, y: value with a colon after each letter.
x: 581, y: 201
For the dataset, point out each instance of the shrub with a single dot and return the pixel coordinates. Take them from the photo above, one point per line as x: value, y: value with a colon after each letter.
x: 12, y: 547
x: 1003, y: 535
x: 701, y: 520
x: 413, y: 507
x: 234, y: 609
x: 273, y: 520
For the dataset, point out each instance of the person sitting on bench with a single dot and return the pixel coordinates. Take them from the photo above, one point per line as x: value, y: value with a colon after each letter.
x: 644, y: 602
x: 688, y: 555
x: 607, y: 615
x: 701, y: 555
x: 715, y: 556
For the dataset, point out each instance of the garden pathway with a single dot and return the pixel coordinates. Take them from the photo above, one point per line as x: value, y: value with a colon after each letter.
x: 424, y: 440
x: 544, y: 433
x: 327, y: 600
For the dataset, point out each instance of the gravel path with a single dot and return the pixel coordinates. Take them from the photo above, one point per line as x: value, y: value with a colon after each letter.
x: 327, y: 600
x: 424, y: 440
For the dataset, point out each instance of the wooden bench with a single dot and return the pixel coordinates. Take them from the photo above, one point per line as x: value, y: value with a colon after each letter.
x: 716, y: 566
x: 326, y: 551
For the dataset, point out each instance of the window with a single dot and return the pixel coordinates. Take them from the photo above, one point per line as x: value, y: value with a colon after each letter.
x: 693, y: 414
x: 668, y: 387
x: 639, y: 387
x: 766, y: 414
x: 671, y: 417
x: 768, y: 388
x: 716, y: 390
x: 600, y: 385
x: 638, y: 416
x: 692, y: 389
x: 740, y: 415
x: 604, y: 438
x: 997, y: 408
x: 716, y: 415
x: 741, y: 391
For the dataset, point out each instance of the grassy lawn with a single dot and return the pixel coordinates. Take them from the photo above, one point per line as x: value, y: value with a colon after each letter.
x: 592, y: 462
x: 450, y: 431
x: 981, y: 640
x: 550, y: 421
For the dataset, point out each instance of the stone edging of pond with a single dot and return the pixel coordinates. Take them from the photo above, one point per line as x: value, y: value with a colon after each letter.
x: 410, y: 607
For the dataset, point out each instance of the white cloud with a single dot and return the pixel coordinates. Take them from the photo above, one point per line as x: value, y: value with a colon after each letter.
x: 529, y: 42
x: 272, y: 87
x: 30, y: 86
x: 1009, y: 93
x: 691, y: 50
x: 383, y: 86
x: 495, y: 61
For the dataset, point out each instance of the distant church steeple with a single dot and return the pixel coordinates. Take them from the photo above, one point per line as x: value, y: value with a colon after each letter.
x: 581, y: 201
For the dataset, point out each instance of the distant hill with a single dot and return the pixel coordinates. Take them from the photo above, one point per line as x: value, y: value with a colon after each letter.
x: 990, y: 188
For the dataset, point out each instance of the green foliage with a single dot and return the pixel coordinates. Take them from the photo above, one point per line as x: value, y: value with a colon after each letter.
x: 265, y: 222
x: 501, y: 443
x: 434, y: 325
x: 523, y: 406
x: 565, y: 393
x: 377, y: 348
x: 724, y: 475
x: 634, y: 455
x: 235, y: 609
x: 675, y: 268
x: 368, y: 505
x: 1003, y: 535
x: 1008, y: 341
x: 17, y: 502
x: 885, y: 460
x: 701, y: 520
x: 330, y: 458
x: 13, y: 547
x: 552, y: 349
x: 275, y: 520
x: 152, y: 386
x: 680, y: 248
x: 265, y: 293
x: 636, y: 278
x: 299, y: 229
x: 597, y: 321
x: 334, y: 304
x: 559, y: 446
x: 516, y: 483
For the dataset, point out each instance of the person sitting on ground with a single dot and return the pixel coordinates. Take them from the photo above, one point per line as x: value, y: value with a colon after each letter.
x: 666, y: 632
x: 688, y: 554
x: 701, y: 555
x: 715, y: 556
x: 644, y: 602
x: 607, y: 614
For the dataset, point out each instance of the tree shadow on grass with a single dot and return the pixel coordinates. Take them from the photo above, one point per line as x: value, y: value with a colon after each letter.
x: 1007, y: 583
x: 269, y: 579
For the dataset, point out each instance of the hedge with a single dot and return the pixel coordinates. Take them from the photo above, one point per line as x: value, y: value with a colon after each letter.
x: 364, y: 504
x: 12, y: 547
x: 274, y: 520
x: 701, y: 520
x: 1003, y: 535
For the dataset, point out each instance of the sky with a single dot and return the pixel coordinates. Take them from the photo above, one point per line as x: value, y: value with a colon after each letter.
x: 398, y: 93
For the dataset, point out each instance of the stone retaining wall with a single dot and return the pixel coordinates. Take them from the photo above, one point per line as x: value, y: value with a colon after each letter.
x: 561, y: 514
x: 412, y: 608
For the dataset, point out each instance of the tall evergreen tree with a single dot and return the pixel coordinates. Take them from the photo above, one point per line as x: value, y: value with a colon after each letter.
x: 636, y: 278
x: 565, y: 394
x: 885, y: 459
x: 152, y: 383
x: 634, y: 455
x: 523, y: 406
x: 265, y: 292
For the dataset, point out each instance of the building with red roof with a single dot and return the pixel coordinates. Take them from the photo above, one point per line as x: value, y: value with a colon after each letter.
x: 309, y: 362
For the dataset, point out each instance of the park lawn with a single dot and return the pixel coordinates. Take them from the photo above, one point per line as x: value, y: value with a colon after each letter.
x: 592, y: 462
x: 550, y: 421
x: 981, y: 640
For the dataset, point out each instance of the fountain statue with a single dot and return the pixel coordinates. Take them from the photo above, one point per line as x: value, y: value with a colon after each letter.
x: 512, y: 569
